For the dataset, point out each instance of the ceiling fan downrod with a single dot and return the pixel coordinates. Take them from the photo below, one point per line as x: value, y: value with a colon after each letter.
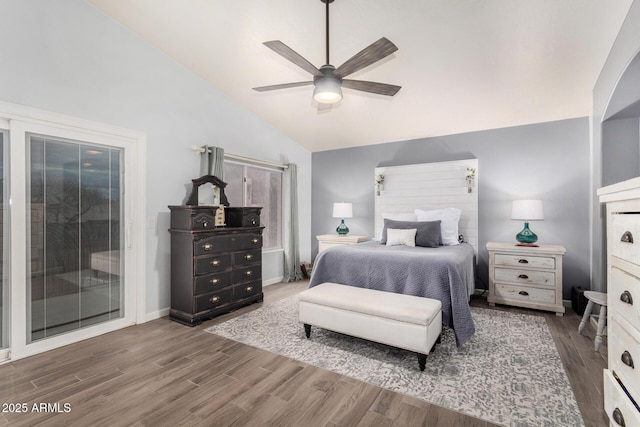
x: 327, y: 3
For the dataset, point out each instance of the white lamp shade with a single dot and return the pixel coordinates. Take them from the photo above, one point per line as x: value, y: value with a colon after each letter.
x: 527, y: 210
x: 342, y: 210
x: 327, y: 91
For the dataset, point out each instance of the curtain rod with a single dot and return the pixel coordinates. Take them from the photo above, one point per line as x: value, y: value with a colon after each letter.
x: 201, y: 150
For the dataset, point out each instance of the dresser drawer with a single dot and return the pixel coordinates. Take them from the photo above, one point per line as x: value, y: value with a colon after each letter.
x: 624, y: 295
x: 247, y: 274
x: 213, y: 300
x: 229, y: 242
x: 247, y: 258
x: 619, y: 408
x: 522, y: 293
x: 247, y: 290
x: 212, y: 264
x: 625, y: 354
x: 528, y: 277
x: 625, y: 237
x: 212, y: 282
x: 203, y: 221
x: 243, y: 217
x: 515, y: 260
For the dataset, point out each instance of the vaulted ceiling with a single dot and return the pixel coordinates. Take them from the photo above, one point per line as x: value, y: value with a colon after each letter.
x: 464, y: 65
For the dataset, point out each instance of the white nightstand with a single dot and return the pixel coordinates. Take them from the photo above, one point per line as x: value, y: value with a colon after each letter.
x: 328, y: 240
x: 526, y: 276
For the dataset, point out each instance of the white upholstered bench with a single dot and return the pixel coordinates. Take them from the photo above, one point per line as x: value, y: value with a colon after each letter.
x: 404, y: 321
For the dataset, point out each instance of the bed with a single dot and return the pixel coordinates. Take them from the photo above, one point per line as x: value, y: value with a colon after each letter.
x: 444, y: 270
x: 445, y: 273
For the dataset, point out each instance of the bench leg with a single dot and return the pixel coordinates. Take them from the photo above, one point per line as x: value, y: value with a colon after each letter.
x: 307, y: 330
x: 422, y: 360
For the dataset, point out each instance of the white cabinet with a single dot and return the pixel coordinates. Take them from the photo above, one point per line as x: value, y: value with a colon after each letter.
x: 622, y: 378
x: 526, y: 276
x: 328, y: 240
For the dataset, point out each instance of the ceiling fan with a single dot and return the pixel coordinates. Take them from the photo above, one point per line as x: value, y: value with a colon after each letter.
x: 329, y: 80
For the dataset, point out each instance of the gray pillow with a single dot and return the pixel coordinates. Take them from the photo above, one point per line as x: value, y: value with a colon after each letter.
x: 428, y: 234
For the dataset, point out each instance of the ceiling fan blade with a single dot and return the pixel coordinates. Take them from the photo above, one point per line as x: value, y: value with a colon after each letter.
x: 373, y: 53
x: 372, y: 87
x: 285, y: 51
x: 281, y: 86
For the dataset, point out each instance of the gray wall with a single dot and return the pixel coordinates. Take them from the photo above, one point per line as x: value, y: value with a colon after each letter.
x: 549, y: 161
x: 621, y: 153
x: 68, y: 57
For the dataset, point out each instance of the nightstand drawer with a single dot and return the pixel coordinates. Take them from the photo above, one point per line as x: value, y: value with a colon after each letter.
x: 527, y: 277
x: 521, y: 293
x: 625, y: 237
x: 525, y: 261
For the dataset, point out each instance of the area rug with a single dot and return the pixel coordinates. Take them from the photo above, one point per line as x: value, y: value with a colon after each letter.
x: 508, y: 373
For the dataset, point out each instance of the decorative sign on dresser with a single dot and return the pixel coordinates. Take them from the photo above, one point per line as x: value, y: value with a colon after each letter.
x: 526, y: 276
x: 622, y: 378
x: 214, y: 268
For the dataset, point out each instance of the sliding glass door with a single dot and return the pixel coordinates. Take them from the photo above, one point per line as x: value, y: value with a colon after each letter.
x: 74, y: 227
x: 73, y: 230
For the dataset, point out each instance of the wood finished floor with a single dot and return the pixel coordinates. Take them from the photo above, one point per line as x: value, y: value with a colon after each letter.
x: 163, y: 373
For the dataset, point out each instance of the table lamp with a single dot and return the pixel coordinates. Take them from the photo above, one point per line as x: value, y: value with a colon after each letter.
x: 527, y: 210
x: 342, y: 211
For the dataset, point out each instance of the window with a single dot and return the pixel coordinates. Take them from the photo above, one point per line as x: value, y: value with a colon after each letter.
x: 248, y: 186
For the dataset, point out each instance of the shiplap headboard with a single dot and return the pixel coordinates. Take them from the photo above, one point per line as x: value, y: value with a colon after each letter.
x: 430, y: 186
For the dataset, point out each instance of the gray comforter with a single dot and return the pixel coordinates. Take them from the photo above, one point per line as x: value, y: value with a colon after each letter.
x: 445, y: 273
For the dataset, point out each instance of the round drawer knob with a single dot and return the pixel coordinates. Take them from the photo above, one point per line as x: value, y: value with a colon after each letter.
x: 249, y: 273
x: 215, y: 262
x: 214, y: 281
x: 249, y: 288
x: 248, y: 257
x: 205, y: 224
x: 214, y: 299
x: 255, y: 241
x: 207, y: 246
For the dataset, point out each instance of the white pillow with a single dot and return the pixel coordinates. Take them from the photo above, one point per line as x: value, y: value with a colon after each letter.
x: 400, y: 216
x: 449, y: 218
x: 401, y: 237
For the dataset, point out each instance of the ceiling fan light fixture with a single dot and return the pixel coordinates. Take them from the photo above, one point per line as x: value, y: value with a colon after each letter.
x: 327, y: 91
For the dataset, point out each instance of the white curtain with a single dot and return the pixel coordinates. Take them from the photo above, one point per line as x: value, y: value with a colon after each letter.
x: 292, y: 269
x: 212, y: 162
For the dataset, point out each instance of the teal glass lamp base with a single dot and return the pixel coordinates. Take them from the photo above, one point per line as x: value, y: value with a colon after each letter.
x: 342, y: 229
x: 526, y: 237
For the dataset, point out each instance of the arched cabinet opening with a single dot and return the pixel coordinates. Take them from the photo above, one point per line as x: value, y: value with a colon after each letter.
x: 621, y: 128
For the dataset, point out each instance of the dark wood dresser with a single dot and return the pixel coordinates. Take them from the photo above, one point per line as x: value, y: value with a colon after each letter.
x: 214, y: 270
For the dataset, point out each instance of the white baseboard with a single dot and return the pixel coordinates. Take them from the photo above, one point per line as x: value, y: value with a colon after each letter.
x: 272, y: 281
x: 156, y: 315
